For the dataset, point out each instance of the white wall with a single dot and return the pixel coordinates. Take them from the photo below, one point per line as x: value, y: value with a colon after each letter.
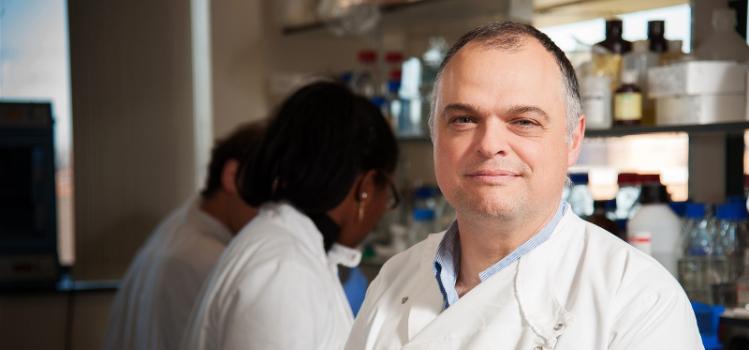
x: 132, y: 124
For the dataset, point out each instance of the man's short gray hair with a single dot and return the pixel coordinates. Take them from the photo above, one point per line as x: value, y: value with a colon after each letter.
x: 509, y: 36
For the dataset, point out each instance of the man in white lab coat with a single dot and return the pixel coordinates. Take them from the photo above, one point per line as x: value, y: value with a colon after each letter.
x: 517, y: 269
x: 153, y: 305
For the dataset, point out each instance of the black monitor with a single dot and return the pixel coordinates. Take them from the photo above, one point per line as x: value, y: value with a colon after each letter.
x: 28, y: 212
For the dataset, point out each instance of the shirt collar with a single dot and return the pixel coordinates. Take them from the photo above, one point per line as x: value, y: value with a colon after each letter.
x: 447, y: 259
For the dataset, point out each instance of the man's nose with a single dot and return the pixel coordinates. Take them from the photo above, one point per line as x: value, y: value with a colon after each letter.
x: 492, y: 139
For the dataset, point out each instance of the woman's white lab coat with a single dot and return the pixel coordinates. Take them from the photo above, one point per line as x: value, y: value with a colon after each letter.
x: 581, y: 289
x: 273, y: 288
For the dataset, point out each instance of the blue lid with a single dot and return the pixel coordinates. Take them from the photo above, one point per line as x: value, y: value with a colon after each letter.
x: 731, y: 211
x: 378, y: 101
x: 611, y: 205
x: 680, y: 208
x: 579, y: 178
x: 735, y: 198
x: 424, y: 192
x: 347, y: 76
x: 423, y: 214
x: 394, y: 86
x: 695, y: 211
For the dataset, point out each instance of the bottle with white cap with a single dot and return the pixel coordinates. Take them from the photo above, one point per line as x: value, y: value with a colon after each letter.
x: 628, y: 100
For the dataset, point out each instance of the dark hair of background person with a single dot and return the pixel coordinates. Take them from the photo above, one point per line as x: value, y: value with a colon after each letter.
x: 240, y: 145
x: 320, y: 138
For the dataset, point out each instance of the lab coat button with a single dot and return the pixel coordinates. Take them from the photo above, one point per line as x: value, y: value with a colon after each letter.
x: 559, y: 326
x: 404, y: 300
x: 538, y: 348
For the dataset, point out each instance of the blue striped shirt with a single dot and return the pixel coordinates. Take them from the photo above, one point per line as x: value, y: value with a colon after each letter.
x: 447, y: 260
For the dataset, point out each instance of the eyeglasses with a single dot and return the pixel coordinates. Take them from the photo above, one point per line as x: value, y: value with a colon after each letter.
x: 395, y: 198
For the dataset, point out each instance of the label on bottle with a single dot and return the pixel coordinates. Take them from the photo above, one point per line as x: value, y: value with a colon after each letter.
x: 628, y: 106
x: 641, y: 241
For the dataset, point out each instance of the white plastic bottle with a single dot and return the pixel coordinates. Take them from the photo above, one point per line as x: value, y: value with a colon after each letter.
x: 724, y: 43
x: 656, y: 218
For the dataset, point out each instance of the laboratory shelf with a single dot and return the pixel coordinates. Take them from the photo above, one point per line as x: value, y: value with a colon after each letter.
x: 726, y: 128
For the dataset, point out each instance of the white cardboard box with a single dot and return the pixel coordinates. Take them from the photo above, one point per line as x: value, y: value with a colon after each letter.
x: 701, y: 109
x: 697, y: 78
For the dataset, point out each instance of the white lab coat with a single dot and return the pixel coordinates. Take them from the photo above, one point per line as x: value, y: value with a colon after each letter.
x: 153, y: 305
x: 273, y: 288
x: 581, y: 289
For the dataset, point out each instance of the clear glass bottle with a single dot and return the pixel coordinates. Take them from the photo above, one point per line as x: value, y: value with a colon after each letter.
x: 731, y: 222
x: 695, y: 267
x: 627, y: 195
x: 742, y: 284
x: 364, y: 80
x: 412, y: 113
x: 580, y: 197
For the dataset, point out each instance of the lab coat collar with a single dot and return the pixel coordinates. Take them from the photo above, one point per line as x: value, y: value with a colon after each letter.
x: 342, y: 255
x: 206, y: 223
x: 298, y: 224
x: 530, y: 283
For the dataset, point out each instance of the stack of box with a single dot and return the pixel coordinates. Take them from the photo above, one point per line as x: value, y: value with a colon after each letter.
x: 699, y: 92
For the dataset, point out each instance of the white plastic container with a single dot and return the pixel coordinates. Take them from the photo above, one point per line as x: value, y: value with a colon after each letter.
x: 658, y: 220
x: 697, y: 78
x: 700, y: 109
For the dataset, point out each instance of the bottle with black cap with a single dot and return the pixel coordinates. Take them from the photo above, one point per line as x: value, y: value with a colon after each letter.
x: 655, y: 222
x: 657, y: 42
x: 607, y: 54
x: 614, y: 41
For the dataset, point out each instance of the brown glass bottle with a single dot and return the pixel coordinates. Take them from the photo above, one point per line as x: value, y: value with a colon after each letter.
x: 657, y: 43
x: 628, y: 101
x: 614, y: 42
x: 600, y: 219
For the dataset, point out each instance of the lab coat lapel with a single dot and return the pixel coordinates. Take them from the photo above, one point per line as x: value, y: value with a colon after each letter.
x: 474, y: 311
x: 423, y: 300
x: 534, y: 285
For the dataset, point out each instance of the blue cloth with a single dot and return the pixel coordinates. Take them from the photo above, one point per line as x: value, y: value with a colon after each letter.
x: 447, y: 260
x: 355, y: 288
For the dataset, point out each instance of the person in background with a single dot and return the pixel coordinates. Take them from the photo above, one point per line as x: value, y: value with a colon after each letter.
x: 517, y: 269
x: 153, y: 305
x: 323, y: 180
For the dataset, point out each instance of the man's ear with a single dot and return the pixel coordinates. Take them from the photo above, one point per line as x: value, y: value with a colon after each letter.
x: 576, y: 141
x: 229, y: 176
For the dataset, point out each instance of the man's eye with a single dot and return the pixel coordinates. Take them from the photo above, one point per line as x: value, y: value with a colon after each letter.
x: 462, y: 120
x: 524, y: 122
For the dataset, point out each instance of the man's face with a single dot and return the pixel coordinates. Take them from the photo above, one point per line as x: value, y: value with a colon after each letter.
x: 500, y: 131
